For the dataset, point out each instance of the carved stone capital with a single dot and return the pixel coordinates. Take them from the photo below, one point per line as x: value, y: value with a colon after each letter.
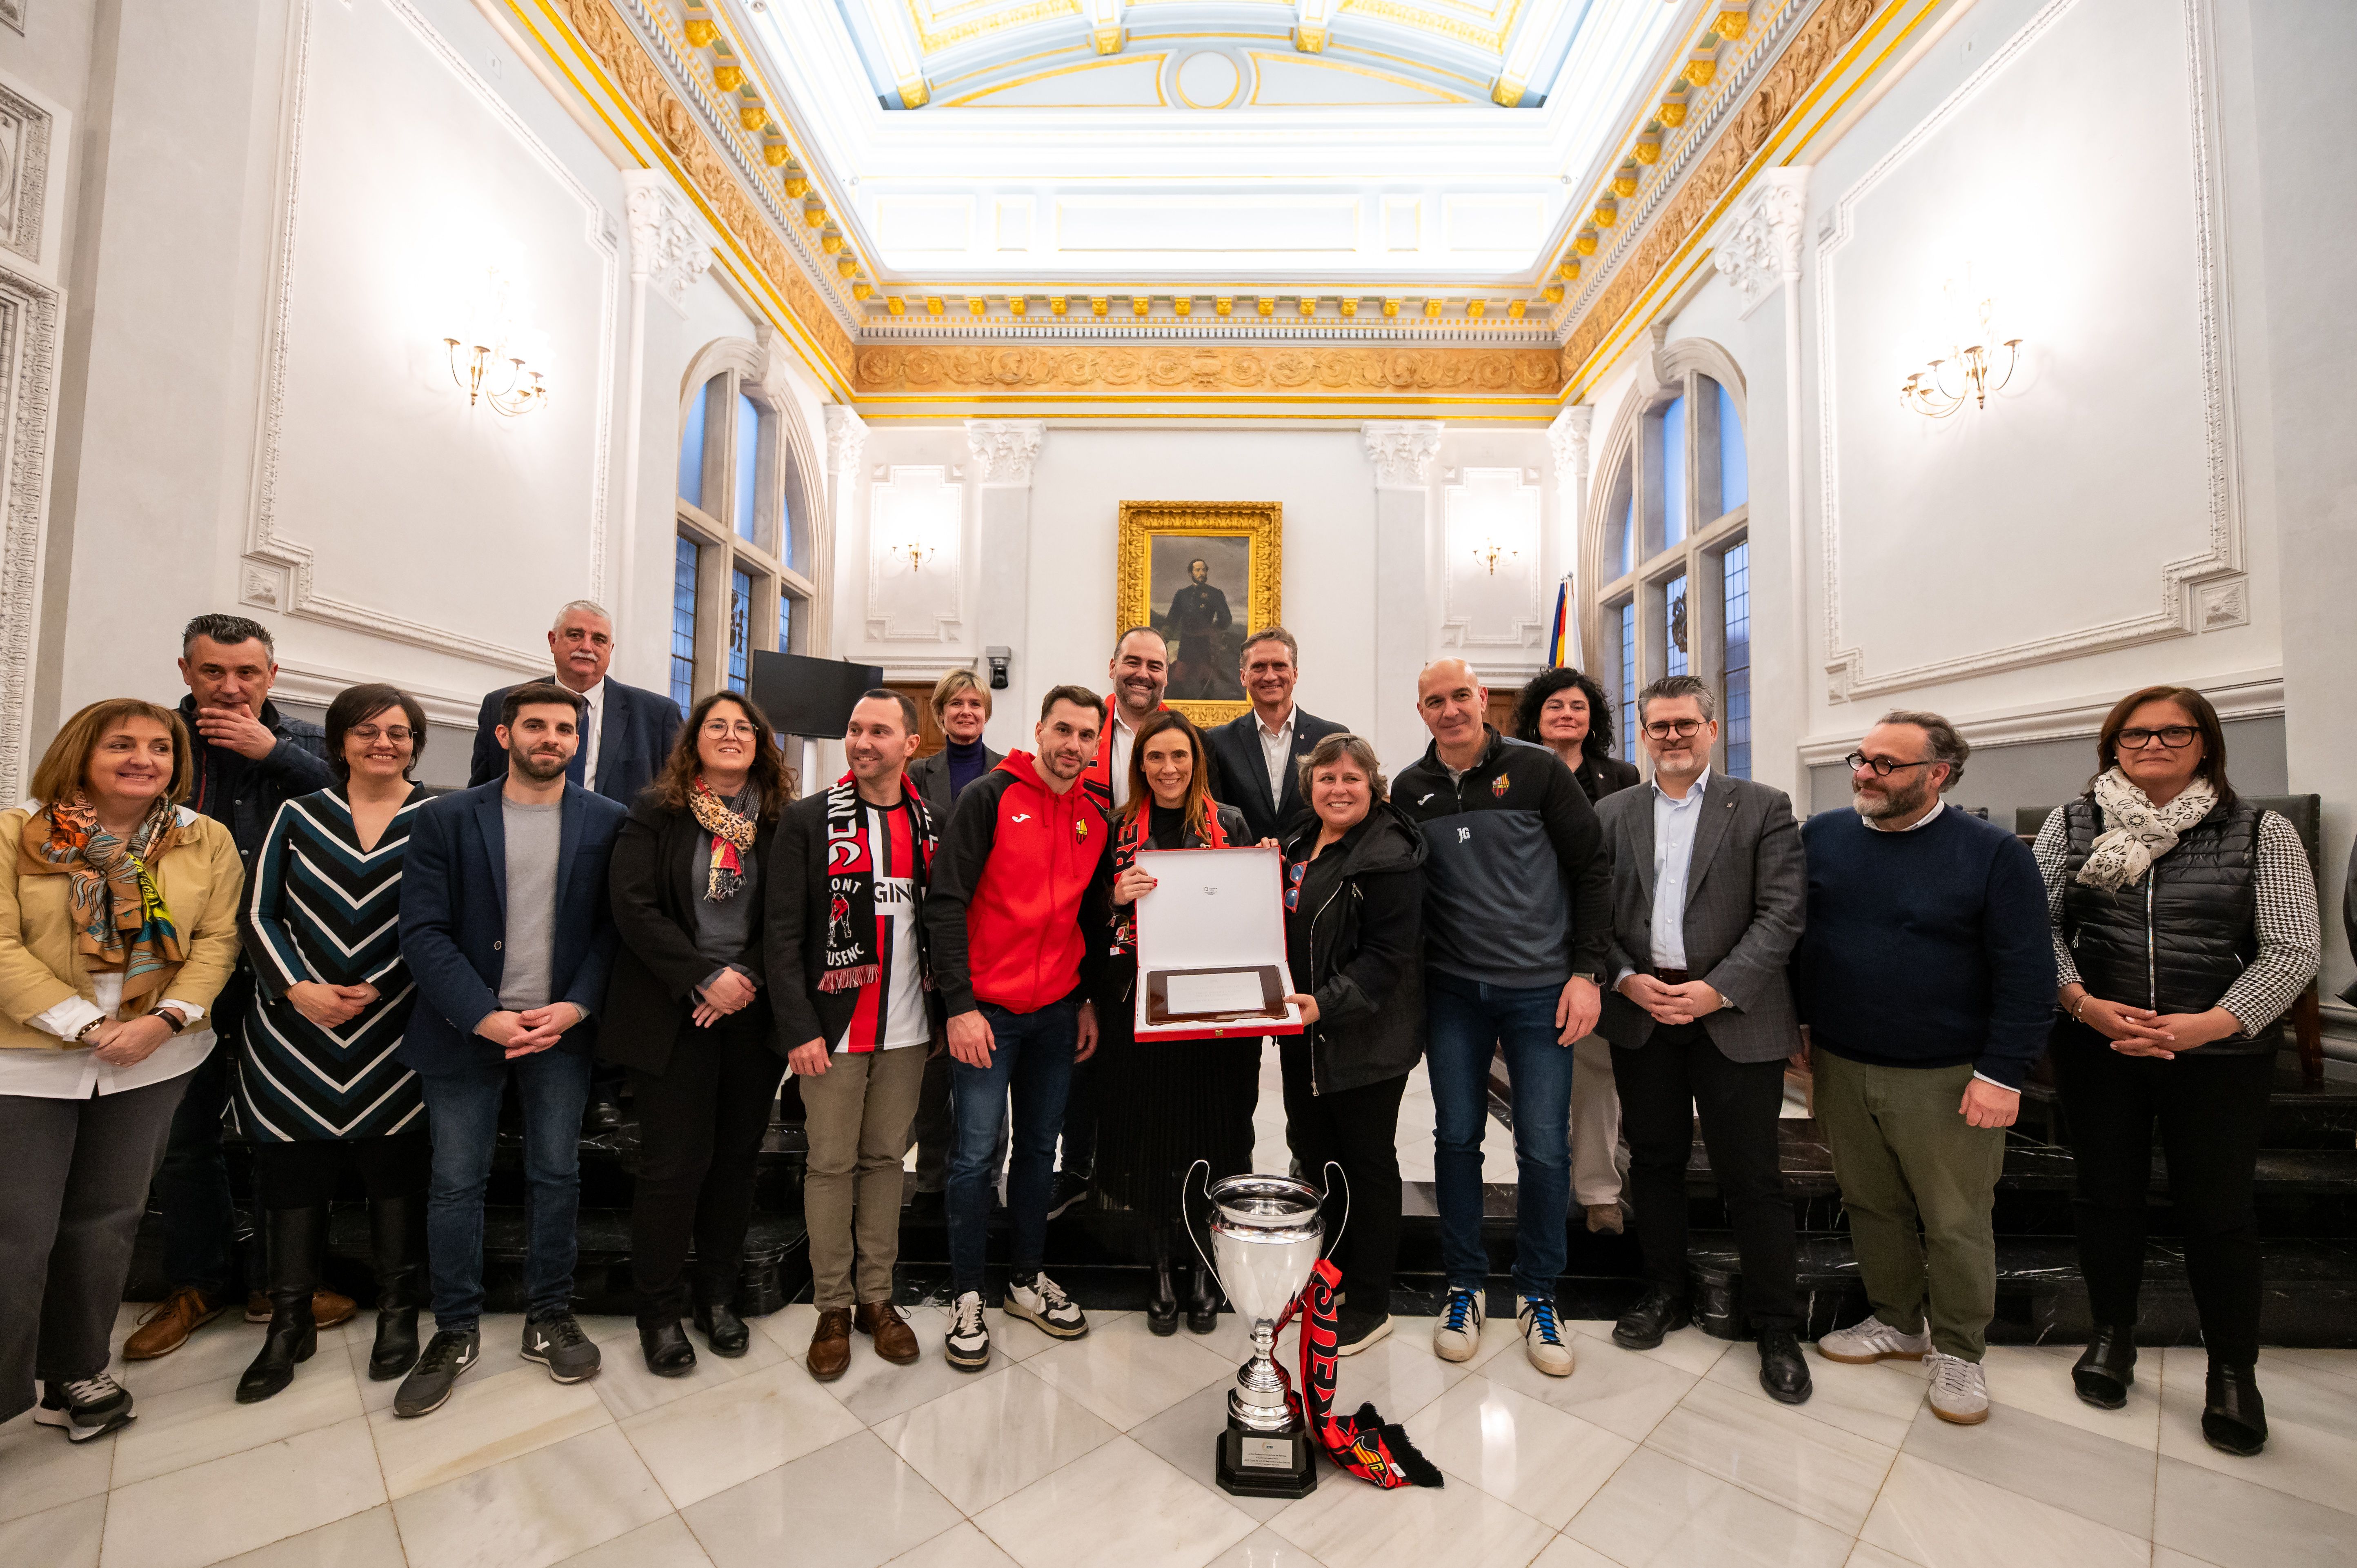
x: 1006, y: 448
x: 1568, y: 441
x: 1402, y: 452
x: 846, y: 436
x: 667, y: 248
x: 1762, y: 247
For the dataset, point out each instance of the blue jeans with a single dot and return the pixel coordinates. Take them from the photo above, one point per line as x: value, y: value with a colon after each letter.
x: 1031, y: 1063
x: 192, y: 1184
x: 1466, y: 1022
x: 463, y: 1109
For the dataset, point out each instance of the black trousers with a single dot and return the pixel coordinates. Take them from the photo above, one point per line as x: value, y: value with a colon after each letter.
x: 1358, y: 1128
x: 2211, y: 1112
x: 701, y: 1122
x: 1665, y: 1083
x: 305, y: 1173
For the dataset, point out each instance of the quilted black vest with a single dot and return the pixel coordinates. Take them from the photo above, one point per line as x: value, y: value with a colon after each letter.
x: 2177, y: 938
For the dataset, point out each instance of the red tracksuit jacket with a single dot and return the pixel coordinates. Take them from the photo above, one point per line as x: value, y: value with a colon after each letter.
x: 1021, y: 893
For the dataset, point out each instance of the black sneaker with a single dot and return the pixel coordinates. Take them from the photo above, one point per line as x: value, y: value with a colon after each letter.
x: 450, y: 1354
x: 1069, y: 1190
x: 84, y: 1408
x: 558, y: 1343
x: 1356, y: 1328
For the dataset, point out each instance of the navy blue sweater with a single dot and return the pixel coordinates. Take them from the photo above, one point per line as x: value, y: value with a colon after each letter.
x: 1926, y: 949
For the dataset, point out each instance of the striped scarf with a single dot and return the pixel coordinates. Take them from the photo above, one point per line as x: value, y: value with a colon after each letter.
x: 120, y: 920
x: 855, y: 947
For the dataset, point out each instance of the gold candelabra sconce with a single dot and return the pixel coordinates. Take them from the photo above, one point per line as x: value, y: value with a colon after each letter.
x: 1490, y: 552
x: 916, y: 554
x: 1973, y: 355
x: 494, y: 356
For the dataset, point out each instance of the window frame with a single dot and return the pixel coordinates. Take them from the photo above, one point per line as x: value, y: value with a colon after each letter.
x: 1631, y: 454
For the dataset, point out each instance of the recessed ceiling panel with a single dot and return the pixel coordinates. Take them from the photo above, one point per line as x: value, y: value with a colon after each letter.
x: 1248, y: 223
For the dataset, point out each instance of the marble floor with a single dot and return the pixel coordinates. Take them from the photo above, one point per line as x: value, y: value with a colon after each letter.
x: 1099, y: 1451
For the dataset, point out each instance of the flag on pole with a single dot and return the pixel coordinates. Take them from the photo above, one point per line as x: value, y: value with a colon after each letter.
x: 1563, y: 637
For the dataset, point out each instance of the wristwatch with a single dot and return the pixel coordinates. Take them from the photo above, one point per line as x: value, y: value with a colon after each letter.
x: 173, y: 1018
x: 84, y: 1033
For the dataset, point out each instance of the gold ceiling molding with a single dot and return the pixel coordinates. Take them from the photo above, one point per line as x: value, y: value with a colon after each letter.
x: 951, y: 371
x: 1812, y: 53
x: 606, y: 34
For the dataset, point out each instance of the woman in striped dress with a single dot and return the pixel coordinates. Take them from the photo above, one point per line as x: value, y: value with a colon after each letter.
x: 319, y: 1090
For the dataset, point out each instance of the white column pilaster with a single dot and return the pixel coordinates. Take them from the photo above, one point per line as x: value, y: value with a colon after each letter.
x: 1003, y: 451
x: 1402, y: 453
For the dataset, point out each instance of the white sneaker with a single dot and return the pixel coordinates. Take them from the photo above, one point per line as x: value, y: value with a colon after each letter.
x: 967, y: 1345
x: 1863, y: 1344
x: 1543, y: 1337
x: 1959, y: 1388
x: 85, y: 1407
x: 1044, y: 1305
x: 1457, y: 1334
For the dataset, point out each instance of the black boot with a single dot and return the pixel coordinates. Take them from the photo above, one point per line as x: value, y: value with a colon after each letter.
x: 1202, y: 1302
x: 2102, y: 1374
x: 1162, y: 1306
x: 716, y: 1314
x: 296, y: 1242
x: 397, y: 1236
x: 2233, y: 1417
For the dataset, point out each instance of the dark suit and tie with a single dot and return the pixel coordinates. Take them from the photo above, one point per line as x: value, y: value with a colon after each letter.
x: 1242, y: 774
x: 631, y: 733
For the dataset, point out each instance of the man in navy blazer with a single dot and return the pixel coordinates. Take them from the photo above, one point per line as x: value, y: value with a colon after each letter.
x: 626, y: 730
x: 1274, y: 731
x: 508, y: 934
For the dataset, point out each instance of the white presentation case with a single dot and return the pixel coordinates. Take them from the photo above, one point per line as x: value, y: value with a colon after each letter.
x: 1210, y: 946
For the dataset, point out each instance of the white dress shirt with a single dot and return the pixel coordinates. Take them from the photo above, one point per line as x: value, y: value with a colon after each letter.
x: 593, y: 724
x: 1276, y: 752
x: 1674, y: 821
x: 1923, y: 820
x: 77, y: 1074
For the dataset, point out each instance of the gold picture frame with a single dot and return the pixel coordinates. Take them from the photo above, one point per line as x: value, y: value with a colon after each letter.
x: 1241, y: 546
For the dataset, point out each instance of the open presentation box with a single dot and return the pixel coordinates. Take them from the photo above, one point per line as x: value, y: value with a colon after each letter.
x: 1210, y: 946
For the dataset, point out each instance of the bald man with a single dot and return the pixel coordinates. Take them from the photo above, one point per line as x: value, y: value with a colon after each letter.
x: 1518, y: 927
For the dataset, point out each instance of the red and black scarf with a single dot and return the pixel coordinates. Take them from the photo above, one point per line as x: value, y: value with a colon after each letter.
x: 1129, y: 836
x: 857, y: 950
x: 1364, y: 1444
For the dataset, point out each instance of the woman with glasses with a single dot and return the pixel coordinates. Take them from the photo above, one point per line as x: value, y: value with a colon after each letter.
x: 319, y: 1090
x: 2185, y: 925
x: 686, y: 1017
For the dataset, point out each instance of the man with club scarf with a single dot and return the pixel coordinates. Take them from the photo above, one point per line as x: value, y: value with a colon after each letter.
x: 855, y: 1016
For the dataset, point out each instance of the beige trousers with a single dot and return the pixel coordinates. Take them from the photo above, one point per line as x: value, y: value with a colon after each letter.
x: 859, y: 1112
x: 1594, y: 1123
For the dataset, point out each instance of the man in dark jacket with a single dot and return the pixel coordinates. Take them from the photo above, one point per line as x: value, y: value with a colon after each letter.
x: 845, y: 956
x: 250, y: 760
x: 1014, y: 926
x: 1708, y: 884
x: 1260, y: 753
x: 509, y: 931
x: 1926, y: 980
x: 1517, y: 925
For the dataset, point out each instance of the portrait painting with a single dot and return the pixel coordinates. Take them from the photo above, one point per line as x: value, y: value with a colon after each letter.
x: 1204, y: 574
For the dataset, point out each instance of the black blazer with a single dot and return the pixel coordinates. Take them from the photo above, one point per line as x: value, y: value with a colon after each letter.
x: 1243, y: 771
x: 660, y: 860
x: 454, y: 900
x: 795, y: 933
x: 640, y: 727
x: 930, y: 776
x: 1602, y: 775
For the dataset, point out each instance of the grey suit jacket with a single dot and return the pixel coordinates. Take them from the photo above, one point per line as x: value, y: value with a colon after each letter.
x: 1745, y: 892
x: 930, y: 775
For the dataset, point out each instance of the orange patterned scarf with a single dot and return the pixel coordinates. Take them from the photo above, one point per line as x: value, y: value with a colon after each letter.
x: 120, y: 920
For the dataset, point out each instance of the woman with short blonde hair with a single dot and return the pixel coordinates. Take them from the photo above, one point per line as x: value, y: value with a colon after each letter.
x: 118, y: 926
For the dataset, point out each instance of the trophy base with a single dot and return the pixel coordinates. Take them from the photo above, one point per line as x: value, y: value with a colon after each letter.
x: 1254, y: 1465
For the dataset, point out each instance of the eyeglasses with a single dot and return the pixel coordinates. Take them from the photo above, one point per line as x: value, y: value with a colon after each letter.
x: 718, y: 727
x: 1883, y: 767
x: 2175, y: 737
x: 1681, y: 728
x: 369, y: 734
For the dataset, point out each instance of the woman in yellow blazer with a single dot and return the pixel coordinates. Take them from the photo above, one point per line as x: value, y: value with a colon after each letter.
x: 118, y: 924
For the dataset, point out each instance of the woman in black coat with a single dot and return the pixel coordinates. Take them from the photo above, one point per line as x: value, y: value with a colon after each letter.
x: 686, y: 1017
x: 1568, y: 714
x: 1354, y: 920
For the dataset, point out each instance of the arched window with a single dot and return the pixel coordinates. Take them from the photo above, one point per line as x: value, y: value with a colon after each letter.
x: 1669, y: 551
x: 743, y: 537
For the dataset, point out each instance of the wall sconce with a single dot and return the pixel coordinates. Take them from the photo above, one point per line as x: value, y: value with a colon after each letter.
x: 1975, y: 350
x: 495, y: 356
x: 917, y: 553
x: 1487, y: 553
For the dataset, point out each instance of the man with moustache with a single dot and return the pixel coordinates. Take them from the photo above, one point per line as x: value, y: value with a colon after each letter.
x: 509, y: 931
x: 854, y: 1017
x: 1199, y: 613
x: 1260, y: 753
x: 1708, y: 884
x: 1926, y: 980
x: 1016, y: 923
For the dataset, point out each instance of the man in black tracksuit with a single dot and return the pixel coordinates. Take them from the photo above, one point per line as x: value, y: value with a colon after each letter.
x: 1517, y: 925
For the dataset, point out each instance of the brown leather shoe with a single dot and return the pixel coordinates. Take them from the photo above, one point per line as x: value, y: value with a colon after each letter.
x: 830, y: 1348
x: 327, y: 1308
x: 165, y: 1327
x: 894, y: 1340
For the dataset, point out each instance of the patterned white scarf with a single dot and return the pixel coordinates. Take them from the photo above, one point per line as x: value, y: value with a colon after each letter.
x: 2136, y: 832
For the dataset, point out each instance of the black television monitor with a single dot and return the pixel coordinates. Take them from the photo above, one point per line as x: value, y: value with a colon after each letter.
x: 807, y: 696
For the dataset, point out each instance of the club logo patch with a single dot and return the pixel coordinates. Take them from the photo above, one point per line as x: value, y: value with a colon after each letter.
x: 1498, y: 786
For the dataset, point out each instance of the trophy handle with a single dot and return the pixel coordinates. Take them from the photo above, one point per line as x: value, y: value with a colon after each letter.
x: 1187, y: 1191
x: 1335, y: 1167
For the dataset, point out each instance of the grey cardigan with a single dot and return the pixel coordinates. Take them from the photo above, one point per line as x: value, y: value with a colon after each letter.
x: 1746, y: 891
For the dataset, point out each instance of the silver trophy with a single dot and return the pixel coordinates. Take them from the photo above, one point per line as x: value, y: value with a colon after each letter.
x: 1266, y: 1235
